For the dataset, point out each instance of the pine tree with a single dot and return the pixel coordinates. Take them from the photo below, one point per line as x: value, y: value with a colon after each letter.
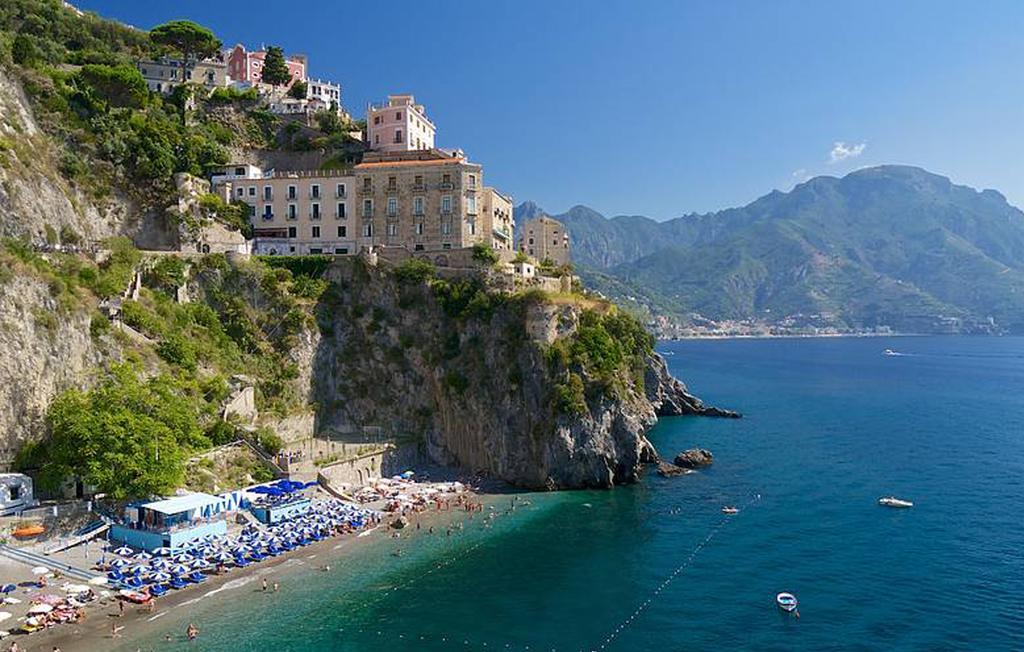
x: 275, y: 70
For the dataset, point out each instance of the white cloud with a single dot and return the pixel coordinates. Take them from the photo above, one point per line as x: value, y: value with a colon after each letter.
x: 841, y: 151
x: 801, y: 175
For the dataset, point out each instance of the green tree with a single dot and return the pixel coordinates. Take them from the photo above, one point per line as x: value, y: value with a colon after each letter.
x: 191, y: 40
x: 275, y: 70
x: 298, y: 90
x: 127, y: 437
x: 119, y: 86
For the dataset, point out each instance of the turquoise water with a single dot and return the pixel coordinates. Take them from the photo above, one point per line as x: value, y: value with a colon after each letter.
x: 830, y: 426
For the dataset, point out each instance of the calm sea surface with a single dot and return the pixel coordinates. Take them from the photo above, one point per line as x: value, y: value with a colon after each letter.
x: 830, y: 426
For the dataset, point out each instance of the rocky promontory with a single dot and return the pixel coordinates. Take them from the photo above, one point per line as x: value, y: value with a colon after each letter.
x: 694, y: 458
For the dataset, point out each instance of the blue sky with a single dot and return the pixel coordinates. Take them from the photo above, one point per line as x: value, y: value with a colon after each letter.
x: 664, y: 108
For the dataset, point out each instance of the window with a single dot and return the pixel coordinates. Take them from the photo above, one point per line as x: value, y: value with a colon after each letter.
x: 471, y: 205
x: 472, y: 227
x: 392, y: 206
x: 417, y: 206
x: 316, y: 231
x: 472, y: 181
x: 398, y: 135
x: 252, y: 210
x: 418, y: 247
x: 315, y: 250
x: 314, y: 211
x: 446, y: 245
x: 376, y: 139
x: 340, y: 213
x: 367, y: 208
x: 341, y: 250
x: 268, y: 212
x: 446, y: 180
x: 398, y: 115
x: 393, y: 229
x: 368, y: 230
x: 292, y: 192
x: 292, y: 232
x: 554, y: 242
x: 367, y: 184
x: 418, y: 182
x: 314, y: 191
x: 392, y: 183
x: 340, y: 191
x: 419, y: 228
x: 342, y: 231
x: 376, y: 119
x: 531, y: 240
x: 446, y: 228
x: 293, y: 211
x: 268, y: 193
x: 241, y: 191
x: 446, y: 204
x: 238, y: 171
x: 252, y: 191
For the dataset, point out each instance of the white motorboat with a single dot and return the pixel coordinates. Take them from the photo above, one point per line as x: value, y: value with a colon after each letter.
x: 786, y: 601
x: 891, y: 352
x: 729, y: 509
x: 893, y: 501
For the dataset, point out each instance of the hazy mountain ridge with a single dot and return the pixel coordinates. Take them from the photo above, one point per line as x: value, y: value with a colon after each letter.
x: 890, y: 246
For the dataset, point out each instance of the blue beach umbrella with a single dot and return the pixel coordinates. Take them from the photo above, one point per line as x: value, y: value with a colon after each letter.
x: 123, y: 551
x: 163, y: 551
x: 183, y: 558
x: 179, y: 569
x: 160, y: 577
x: 143, y: 555
x: 118, y: 563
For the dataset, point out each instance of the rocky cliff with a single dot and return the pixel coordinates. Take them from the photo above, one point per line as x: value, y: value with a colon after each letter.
x: 477, y: 377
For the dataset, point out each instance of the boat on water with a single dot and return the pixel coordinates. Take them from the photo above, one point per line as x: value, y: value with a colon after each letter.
x: 891, y: 352
x: 786, y: 601
x: 893, y: 501
x: 729, y: 509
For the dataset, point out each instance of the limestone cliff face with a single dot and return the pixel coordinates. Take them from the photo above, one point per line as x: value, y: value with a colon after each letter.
x: 476, y: 386
x: 46, y: 351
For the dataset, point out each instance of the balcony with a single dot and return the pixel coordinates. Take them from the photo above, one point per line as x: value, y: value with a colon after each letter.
x: 314, y: 194
x: 340, y: 195
x: 446, y: 185
x: 419, y: 187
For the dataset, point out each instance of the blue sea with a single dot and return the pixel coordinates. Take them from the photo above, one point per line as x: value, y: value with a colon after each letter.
x: 830, y: 425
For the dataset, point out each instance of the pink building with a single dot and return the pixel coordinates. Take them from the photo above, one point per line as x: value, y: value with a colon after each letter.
x: 399, y: 125
x: 248, y: 66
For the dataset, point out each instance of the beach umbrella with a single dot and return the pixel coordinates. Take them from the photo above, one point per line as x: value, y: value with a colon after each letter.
x: 75, y: 588
x: 8, y: 588
x: 199, y: 563
x: 143, y: 555
x: 224, y: 557
x: 40, y: 570
x: 160, y: 577
x: 179, y: 569
x: 183, y: 558
x: 98, y: 581
x: 123, y: 551
x: 159, y: 563
x: 40, y: 608
x: 163, y: 551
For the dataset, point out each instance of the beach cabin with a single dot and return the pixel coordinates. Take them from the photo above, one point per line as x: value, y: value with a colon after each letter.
x: 278, y: 501
x: 171, y: 523
x: 15, y: 493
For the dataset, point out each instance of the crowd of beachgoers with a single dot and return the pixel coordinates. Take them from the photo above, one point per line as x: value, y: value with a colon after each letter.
x: 128, y: 575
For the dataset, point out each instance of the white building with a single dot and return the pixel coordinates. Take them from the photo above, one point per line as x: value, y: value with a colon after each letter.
x: 326, y: 92
x: 399, y: 125
x: 15, y: 493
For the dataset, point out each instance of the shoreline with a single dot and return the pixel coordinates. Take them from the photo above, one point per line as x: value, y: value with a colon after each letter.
x: 798, y: 336
x: 93, y: 633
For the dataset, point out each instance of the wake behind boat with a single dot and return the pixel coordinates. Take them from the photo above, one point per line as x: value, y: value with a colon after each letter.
x: 893, y: 501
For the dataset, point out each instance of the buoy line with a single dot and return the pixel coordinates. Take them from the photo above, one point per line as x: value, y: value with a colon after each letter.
x: 614, y: 633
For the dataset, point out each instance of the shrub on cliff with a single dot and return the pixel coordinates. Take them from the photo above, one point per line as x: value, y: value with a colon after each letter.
x: 415, y: 270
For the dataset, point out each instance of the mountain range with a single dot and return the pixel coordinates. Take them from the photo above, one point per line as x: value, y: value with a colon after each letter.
x: 884, y: 248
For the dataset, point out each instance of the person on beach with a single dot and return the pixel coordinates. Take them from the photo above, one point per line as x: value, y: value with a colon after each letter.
x: 115, y: 630
x: 192, y: 632
x: 276, y: 587
x: 120, y: 608
x: 264, y: 585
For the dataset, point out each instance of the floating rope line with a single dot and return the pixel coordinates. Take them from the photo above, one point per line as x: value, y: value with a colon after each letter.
x: 608, y: 640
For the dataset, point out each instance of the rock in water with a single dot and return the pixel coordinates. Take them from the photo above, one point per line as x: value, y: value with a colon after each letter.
x: 400, y: 523
x: 671, y: 470
x: 694, y: 458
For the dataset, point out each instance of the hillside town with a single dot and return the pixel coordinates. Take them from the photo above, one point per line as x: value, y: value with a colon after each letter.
x: 400, y: 191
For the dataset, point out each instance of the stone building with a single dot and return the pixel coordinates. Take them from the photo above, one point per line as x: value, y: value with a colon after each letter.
x: 423, y: 200
x: 399, y: 125
x: 497, y: 218
x: 163, y: 75
x: 545, y: 238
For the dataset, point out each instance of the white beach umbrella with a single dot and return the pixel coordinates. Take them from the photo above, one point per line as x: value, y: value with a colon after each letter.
x: 179, y: 569
x: 160, y: 577
x: 4, y: 615
x: 163, y: 551
x: 159, y: 563
x: 224, y: 556
x: 183, y: 558
x: 40, y: 609
x: 98, y: 581
x: 199, y: 563
x: 143, y: 555
x: 40, y: 570
x: 123, y: 551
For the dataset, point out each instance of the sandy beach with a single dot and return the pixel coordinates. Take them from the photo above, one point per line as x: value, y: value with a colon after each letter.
x: 94, y: 631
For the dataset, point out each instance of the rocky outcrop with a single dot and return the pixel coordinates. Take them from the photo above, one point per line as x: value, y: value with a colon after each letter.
x: 671, y: 470
x: 694, y: 458
x: 47, y: 350
x: 476, y: 389
x: 670, y: 397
